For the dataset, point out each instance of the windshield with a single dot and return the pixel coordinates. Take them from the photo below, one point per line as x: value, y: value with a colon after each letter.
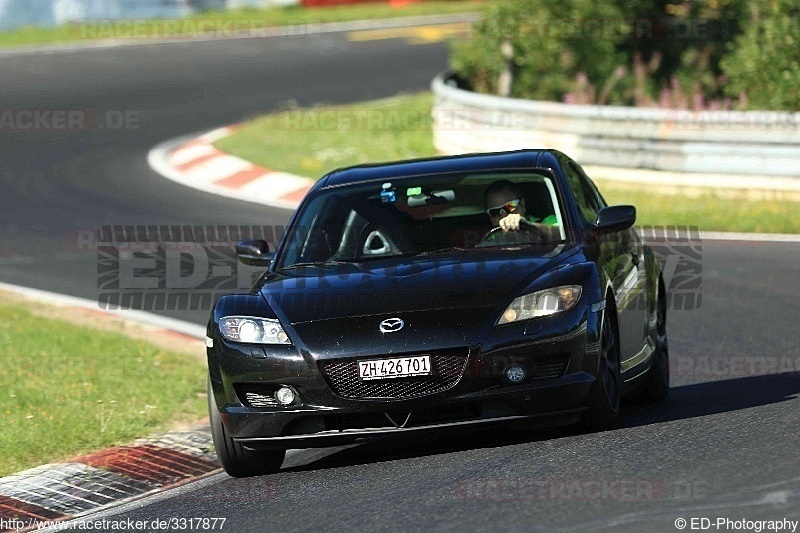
x: 414, y: 216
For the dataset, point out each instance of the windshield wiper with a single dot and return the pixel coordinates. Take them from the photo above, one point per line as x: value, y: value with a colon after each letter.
x: 444, y: 250
x: 317, y: 264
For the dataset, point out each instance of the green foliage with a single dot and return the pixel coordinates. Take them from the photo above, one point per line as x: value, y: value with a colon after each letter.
x: 554, y: 41
x: 699, y: 55
x: 764, y: 62
x: 687, y: 40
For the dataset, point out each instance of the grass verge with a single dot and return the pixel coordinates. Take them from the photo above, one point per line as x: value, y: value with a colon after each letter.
x: 226, y: 22
x: 709, y: 211
x: 67, y: 390
x: 313, y: 141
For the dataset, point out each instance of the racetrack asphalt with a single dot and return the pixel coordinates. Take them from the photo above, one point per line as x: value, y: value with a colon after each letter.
x: 724, y: 444
x: 56, y: 182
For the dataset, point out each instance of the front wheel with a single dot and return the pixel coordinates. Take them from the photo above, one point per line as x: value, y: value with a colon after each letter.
x: 605, y: 394
x: 656, y: 383
x: 237, y: 460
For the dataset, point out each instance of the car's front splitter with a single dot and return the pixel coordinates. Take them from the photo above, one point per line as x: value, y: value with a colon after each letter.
x: 557, y: 402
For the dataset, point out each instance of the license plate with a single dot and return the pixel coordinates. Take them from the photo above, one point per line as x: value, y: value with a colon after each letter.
x: 400, y: 367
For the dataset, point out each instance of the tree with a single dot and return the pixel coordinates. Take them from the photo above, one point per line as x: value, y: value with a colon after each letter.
x: 763, y: 66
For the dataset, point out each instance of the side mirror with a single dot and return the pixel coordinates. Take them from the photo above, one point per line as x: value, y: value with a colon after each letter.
x: 254, y: 253
x: 615, y: 218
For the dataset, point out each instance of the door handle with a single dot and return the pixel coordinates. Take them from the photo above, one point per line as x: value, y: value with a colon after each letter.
x: 635, y: 258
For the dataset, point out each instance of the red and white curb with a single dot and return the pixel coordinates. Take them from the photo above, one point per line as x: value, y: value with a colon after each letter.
x: 88, y: 483
x: 198, y: 164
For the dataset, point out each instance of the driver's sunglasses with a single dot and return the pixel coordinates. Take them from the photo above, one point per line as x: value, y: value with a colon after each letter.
x: 509, y: 207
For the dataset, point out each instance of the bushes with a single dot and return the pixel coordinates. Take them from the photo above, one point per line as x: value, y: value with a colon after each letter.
x: 549, y: 51
x: 764, y: 61
x: 705, y: 54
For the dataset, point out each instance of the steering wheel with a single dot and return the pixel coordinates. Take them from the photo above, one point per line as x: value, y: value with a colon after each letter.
x: 535, y: 235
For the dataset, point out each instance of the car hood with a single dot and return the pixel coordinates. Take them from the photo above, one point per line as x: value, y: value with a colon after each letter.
x: 466, y: 281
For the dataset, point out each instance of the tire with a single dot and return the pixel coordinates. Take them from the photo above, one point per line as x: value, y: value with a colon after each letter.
x: 656, y: 382
x: 237, y: 460
x: 605, y: 394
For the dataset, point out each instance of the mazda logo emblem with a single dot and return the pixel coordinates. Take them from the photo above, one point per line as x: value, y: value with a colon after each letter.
x: 390, y: 325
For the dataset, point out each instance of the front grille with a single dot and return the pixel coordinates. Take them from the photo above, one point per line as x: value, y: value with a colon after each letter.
x: 342, y: 376
x: 550, y: 367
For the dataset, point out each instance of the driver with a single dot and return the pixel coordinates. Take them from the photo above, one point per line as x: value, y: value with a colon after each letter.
x: 505, y: 205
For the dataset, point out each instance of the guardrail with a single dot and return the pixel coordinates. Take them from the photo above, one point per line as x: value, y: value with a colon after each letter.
x: 722, y: 142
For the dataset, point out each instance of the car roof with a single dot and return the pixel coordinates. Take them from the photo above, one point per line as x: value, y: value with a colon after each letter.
x: 518, y: 159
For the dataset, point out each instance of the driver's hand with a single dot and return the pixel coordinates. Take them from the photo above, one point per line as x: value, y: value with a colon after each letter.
x: 510, y: 222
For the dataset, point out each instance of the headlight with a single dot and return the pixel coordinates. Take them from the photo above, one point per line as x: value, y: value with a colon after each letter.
x: 541, y: 303
x: 253, y: 330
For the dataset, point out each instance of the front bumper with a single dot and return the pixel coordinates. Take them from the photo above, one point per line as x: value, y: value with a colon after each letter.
x: 481, y: 394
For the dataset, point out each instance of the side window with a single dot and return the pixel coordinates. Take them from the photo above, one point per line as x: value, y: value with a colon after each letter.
x: 586, y: 197
x: 592, y: 189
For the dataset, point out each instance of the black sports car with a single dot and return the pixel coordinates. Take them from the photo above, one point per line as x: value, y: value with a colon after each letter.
x: 436, y: 293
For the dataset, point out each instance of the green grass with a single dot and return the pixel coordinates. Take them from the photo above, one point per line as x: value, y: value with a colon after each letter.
x: 67, y: 390
x: 709, y: 211
x: 311, y: 142
x: 243, y: 19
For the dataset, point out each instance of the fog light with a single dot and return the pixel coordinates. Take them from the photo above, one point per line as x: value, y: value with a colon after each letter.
x: 515, y: 374
x: 285, y: 396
